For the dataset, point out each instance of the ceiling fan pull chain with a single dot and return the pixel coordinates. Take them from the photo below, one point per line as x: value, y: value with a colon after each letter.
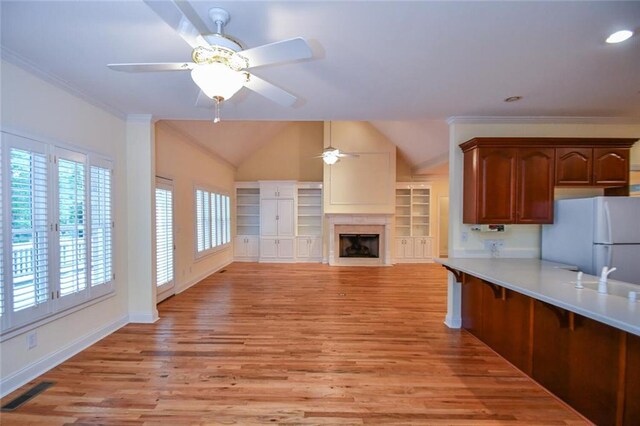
x: 216, y: 117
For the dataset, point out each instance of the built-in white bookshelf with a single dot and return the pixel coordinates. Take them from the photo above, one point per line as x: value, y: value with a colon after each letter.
x: 309, y: 211
x: 248, y: 211
x: 403, y: 212
x: 420, y: 205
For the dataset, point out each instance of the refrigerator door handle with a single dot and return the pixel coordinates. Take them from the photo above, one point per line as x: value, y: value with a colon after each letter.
x: 607, y: 256
x: 607, y: 220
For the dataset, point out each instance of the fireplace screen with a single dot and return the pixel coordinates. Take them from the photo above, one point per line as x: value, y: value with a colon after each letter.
x: 359, y: 245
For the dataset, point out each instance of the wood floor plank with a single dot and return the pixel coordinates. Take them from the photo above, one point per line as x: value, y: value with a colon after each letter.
x: 295, y: 344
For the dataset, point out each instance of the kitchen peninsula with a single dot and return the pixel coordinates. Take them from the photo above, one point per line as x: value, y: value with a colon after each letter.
x: 581, y: 345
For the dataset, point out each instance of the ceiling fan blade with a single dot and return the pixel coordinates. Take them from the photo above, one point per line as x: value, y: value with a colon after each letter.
x: 153, y: 67
x: 280, y: 51
x: 180, y: 16
x: 270, y: 91
x: 346, y: 154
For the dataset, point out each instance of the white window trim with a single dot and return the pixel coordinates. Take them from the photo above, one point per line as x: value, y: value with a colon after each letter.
x: 199, y: 255
x: 8, y: 325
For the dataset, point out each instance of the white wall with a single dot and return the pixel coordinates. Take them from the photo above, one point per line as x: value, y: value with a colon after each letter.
x: 35, y: 108
x: 359, y: 185
x: 520, y: 240
x: 188, y: 165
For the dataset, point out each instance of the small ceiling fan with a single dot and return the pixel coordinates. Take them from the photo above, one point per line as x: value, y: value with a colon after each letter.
x: 220, y: 64
x: 331, y: 155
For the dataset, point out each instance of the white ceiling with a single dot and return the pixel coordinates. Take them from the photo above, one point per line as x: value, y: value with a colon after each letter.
x: 404, y: 66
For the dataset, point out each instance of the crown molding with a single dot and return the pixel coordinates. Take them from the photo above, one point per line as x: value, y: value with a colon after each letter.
x: 542, y: 120
x: 14, y: 58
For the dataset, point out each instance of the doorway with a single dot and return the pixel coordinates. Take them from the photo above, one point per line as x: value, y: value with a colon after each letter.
x: 165, y: 245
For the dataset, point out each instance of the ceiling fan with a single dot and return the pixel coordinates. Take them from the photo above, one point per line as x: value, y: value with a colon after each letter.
x: 331, y: 155
x: 220, y: 64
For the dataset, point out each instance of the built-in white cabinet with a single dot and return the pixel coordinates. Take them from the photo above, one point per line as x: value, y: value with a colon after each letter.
x: 276, y: 217
x: 309, y: 222
x: 309, y: 249
x: 246, y: 248
x: 276, y: 249
x: 277, y: 189
x: 404, y: 248
x: 413, y: 223
x: 278, y: 221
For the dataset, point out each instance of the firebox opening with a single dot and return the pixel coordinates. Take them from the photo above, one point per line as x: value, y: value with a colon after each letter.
x: 359, y: 245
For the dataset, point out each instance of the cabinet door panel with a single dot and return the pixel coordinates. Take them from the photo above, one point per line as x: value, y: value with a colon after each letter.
x: 285, y: 248
x: 268, y: 213
x: 252, y: 246
x: 400, y: 248
x: 535, y: 185
x: 471, y: 308
x: 632, y: 381
x: 574, y: 166
x: 239, y: 246
x: 302, y: 248
x: 497, y: 187
x: 315, y: 247
x: 285, y: 217
x: 611, y: 166
x: 268, y: 248
x: 418, y: 248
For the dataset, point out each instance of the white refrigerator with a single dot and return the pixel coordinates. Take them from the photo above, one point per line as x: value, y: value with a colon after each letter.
x: 594, y: 232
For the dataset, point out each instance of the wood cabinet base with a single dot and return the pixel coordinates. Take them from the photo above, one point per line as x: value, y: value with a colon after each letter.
x: 591, y: 366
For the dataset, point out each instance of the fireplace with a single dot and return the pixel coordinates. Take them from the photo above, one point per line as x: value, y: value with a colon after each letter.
x: 359, y: 245
x: 352, y: 236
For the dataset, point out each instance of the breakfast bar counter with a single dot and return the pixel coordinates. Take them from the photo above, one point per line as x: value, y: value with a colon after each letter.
x: 554, y: 283
x: 581, y: 345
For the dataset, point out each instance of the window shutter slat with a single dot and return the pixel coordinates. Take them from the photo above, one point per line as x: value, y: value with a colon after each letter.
x: 101, y: 229
x: 29, y: 236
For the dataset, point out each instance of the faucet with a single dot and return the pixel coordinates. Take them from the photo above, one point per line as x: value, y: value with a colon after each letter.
x: 602, y: 284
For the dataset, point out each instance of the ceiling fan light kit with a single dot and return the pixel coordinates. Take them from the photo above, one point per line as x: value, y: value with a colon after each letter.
x: 220, y: 65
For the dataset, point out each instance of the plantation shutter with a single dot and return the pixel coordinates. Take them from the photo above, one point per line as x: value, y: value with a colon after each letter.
x: 164, y: 235
x: 72, y: 229
x: 199, y: 221
x: 101, y: 228
x: 29, y: 232
x: 227, y: 224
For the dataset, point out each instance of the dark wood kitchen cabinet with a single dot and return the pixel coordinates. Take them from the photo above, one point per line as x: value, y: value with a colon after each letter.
x: 508, y: 185
x: 581, y: 166
x: 512, y: 180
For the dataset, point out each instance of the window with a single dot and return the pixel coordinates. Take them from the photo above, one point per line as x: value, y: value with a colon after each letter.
x: 57, y: 236
x: 101, y: 227
x: 213, y: 221
x: 164, y: 234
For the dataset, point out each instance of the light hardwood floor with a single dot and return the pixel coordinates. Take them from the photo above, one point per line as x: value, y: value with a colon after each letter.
x: 295, y: 344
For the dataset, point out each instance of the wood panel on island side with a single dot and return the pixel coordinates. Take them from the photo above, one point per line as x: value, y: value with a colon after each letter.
x: 296, y: 344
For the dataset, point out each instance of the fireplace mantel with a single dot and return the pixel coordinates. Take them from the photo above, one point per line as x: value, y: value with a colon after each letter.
x: 359, y: 223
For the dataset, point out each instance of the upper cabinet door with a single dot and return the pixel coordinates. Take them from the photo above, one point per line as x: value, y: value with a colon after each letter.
x: 285, y: 218
x: 497, y: 185
x: 611, y: 166
x: 535, y: 185
x: 574, y: 166
x: 269, y: 217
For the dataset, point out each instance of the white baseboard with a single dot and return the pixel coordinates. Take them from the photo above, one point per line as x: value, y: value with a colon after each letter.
x: 453, y: 322
x: 144, y: 317
x: 25, y: 375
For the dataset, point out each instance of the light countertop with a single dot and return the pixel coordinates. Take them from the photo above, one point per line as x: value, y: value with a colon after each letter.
x: 553, y: 283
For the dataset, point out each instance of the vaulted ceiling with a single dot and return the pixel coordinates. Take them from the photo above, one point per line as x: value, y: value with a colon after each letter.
x: 404, y: 66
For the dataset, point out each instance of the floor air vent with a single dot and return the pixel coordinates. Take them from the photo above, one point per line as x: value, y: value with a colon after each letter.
x: 31, y: 393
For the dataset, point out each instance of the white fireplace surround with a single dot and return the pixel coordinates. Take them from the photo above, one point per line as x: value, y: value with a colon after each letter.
x: 340, y: 223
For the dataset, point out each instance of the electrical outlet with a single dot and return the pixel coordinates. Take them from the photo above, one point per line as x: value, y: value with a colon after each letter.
x: 32, y: 340
x: 464, y: 237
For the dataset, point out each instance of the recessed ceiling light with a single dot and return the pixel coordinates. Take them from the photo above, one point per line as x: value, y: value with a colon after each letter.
x: 513, y: 98
x: 619, y: 36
